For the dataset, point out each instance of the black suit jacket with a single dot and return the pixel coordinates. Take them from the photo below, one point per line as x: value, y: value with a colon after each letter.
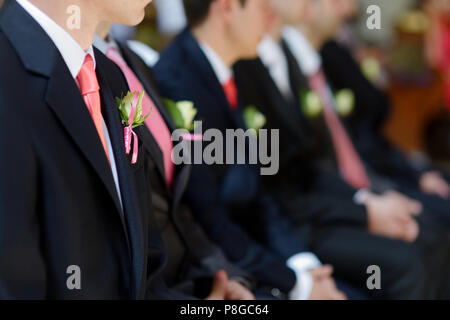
x: 193, y: 259
x: 228, y: 200
x: 299, y: 178
x: 58, y: 202
x: 372, y: 107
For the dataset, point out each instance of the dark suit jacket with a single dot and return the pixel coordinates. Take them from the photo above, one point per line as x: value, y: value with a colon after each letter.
x: 58, y: 202
x: 301, y: 186
x: 227, y: 199
x: 193, y: 259
x: 372, y: 107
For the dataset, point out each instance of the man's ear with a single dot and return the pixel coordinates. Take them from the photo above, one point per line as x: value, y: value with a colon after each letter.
x: 226, y: 7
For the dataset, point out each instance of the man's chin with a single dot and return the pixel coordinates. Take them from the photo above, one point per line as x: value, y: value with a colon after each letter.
x: 135, y: 20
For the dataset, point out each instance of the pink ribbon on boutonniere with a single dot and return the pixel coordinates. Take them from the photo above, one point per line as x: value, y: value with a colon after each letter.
x: 192, y: 137
x: 130, y: 135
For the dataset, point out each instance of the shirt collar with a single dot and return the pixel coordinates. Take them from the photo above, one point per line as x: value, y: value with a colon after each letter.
x: 272, y: 56
x: 71, y: 52
x: 270, y: 52
x: 304, y: 52
x: 222, y: 71
x: 103, y: 45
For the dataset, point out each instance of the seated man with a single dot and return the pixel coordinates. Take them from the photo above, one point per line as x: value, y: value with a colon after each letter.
x: 307, y: 192
x: 197, y: 67
x: 371, y: 107
x: 228, y: 200
x: 192, y: 258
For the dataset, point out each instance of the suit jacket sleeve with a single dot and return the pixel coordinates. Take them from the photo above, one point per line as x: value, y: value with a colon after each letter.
x: 239, y: 247
x: 22, y: 266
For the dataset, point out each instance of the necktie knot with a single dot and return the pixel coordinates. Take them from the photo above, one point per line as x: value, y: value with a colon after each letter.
x: 113, y: 54
x: 87, y: 78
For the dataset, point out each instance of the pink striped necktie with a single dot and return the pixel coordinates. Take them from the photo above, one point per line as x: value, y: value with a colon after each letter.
x: 155, y: 121
x: 350, y: 164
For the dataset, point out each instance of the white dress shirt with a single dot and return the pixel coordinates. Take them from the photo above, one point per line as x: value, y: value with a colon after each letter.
x: 74, y: 56
x: 300, y: 263
x: 222, y: 71
x: 146, y: 53
x: 272, y: 56
x: 170, y: 16
x: 304, y: 52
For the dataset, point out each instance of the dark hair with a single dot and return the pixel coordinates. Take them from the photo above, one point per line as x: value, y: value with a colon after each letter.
x: 197, y: 10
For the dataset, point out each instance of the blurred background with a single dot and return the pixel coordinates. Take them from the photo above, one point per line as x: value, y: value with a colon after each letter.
x: 409, y: 58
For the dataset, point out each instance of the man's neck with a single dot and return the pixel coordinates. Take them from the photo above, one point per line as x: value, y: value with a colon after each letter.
x: 275, y: 32
x: 214, y: 36
x: 57, y: 11
x: 313, y: 37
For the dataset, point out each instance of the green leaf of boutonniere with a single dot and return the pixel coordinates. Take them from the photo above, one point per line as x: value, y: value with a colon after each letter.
x: 253, y: 118
x: 182, y: 113
x: 371, y: 69
x: 310, y: 103
x: 125, y: 105
x: 345, y: 102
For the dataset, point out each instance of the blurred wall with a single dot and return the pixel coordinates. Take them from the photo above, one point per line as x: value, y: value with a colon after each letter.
x: 390, y: 10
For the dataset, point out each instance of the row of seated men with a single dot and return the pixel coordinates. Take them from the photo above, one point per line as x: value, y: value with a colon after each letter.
x: 342, y: 201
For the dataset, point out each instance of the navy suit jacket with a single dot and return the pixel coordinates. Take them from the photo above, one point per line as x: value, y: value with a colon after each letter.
x: 193, y: 259
x: 229, y: 200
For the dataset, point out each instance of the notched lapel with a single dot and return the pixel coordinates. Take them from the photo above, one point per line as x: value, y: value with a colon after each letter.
x: 64, y: 98
x: 133, y: 212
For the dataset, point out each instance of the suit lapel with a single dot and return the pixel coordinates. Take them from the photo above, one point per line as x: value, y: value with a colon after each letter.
x: 62, y: 94
x: 132, y: 212
x: 209, y: 79
x: 144, y: 74
x: 288, y: 111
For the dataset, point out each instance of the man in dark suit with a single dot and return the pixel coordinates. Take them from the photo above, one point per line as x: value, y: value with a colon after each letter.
x: 229, y: 200
x: 365, y: 123
x: 192, y: 260
x: 271, y: 84
x: 74, y: 211
x: 189, y: 70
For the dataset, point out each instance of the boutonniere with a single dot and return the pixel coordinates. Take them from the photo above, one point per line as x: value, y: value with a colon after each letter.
x: 130, y: 108
x: 254, y: 119
x: 372, y: 70
x: 345, y: 102
x: 183, y: 114
x: 312, y: 107
x: 310, y: 104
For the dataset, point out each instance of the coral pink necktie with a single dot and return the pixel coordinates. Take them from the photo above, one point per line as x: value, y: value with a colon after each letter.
x: 231, y: 93
x: 350, y: 164
x: 154, y: 122
x: 90, y: 90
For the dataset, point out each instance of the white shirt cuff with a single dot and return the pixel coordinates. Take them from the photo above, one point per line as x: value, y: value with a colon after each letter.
x: 360, y: 196
x: 301, y: 263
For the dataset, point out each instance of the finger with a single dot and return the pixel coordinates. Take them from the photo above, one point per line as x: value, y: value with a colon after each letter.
x: 415, y: 207
x: 444, y: 190
x: 220, y: 286
x: 237, y: 291
x: 322, y: 272
x: 339, y: 295
x: 412, y: 232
